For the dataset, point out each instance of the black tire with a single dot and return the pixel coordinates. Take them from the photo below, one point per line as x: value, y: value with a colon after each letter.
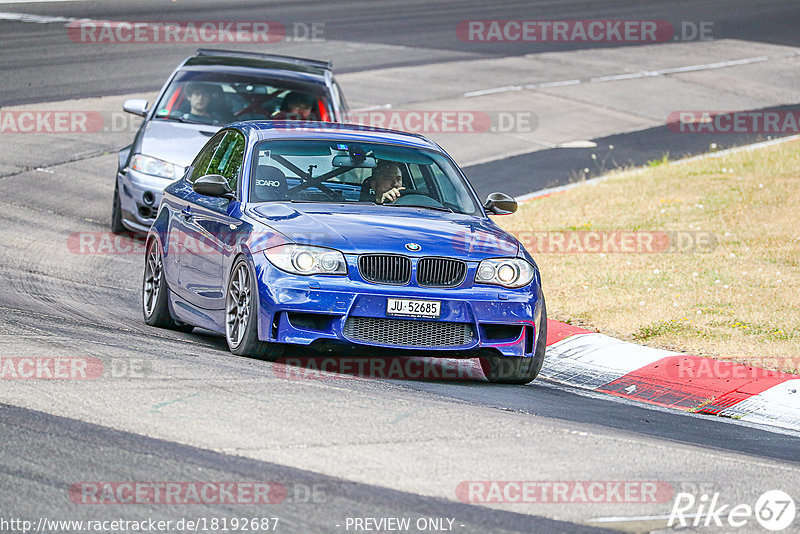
x: 155, y: 308
x: 116, y: 214
x: 241, y: 315
x: 514, y: 369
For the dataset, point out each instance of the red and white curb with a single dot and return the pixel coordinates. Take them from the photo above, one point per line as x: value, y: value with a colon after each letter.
x: 594, y: 361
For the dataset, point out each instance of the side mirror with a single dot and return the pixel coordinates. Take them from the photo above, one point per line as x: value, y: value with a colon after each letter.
x: 500, y: 204
x: 137, y: 106
x: 213, y: 185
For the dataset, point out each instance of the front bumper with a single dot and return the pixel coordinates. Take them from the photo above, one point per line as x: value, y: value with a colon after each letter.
x: 139, y: 197
x: 342, y: 310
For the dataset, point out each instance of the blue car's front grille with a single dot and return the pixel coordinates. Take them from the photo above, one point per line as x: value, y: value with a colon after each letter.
x: 440, y: 272
x: 406, y: 333
x: 396, y: 269
x: 385, y: 268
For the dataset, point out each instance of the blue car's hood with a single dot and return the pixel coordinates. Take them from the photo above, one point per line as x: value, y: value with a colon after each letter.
x: 364, y: 228
x: 175, y: 142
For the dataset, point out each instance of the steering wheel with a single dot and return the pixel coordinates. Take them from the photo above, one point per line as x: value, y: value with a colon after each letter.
x: 412, y: 198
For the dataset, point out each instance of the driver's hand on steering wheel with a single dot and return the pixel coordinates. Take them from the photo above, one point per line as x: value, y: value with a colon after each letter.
x: 391, y: 195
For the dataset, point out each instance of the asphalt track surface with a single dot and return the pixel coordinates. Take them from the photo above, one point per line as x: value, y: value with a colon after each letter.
x: 178, y: 407
x: 47, y: 68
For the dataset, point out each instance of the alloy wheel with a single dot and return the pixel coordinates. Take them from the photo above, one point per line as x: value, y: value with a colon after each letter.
x: 153, y: 270
x: 238, y: 305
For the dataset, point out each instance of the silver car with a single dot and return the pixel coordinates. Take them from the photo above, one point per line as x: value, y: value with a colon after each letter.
x: 207, y: 91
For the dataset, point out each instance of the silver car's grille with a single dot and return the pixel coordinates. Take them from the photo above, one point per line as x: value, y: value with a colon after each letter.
x: 385, y: 268
x: 440, y: 272
x: 404, y: 333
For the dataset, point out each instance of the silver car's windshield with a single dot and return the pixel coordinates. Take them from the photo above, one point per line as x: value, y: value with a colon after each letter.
x: 220, y: 98
x: 350, y: 172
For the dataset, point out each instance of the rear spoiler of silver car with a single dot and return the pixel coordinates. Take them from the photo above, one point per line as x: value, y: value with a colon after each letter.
x: 300, y: 61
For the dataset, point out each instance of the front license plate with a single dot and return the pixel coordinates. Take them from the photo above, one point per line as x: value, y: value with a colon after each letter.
x: 413, y: 308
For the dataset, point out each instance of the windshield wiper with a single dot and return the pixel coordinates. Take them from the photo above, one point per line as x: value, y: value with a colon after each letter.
x: 341, y: 202
x: 181, y: 119
x: 437, y: 208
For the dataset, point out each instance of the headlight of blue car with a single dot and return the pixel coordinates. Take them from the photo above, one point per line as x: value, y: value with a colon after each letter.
x: 152, y: 166
x: 506, y: 272
x: 305, y: 260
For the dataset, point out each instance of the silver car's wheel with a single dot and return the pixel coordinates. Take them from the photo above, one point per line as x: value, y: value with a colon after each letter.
x: 241, y: 315
x: 116, y: 213
x: 155, y: 307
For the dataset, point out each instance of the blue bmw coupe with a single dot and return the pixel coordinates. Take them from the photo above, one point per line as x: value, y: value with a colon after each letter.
x: 314, y: 234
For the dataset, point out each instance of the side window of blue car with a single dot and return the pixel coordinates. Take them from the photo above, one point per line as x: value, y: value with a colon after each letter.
x: 200, y: 167
x: 223, y: 155
x: 228, y: 157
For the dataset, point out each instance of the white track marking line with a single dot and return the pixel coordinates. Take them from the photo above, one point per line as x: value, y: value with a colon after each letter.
x: 635, y: 75
x: 494, y: 90
x: 36, y: 19
x: 622, y: 519
x: 36, y: 1
x: 616, y: 77
x: 554, y: 84
x: 372, y: 108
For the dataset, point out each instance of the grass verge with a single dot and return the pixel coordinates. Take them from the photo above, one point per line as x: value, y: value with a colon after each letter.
x: 700, y: 257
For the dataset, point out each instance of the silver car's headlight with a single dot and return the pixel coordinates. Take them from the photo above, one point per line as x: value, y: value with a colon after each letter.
x: 506, y: 272
x: 305, y: 259
x: 152, y: 166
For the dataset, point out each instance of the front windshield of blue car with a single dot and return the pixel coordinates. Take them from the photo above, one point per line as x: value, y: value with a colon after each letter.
x: 208, y: 97
x: 344, y: 172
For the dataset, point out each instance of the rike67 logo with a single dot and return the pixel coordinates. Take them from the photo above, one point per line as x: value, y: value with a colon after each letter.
x: 774, y: 510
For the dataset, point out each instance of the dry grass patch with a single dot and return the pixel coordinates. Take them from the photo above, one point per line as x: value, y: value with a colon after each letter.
x: 737, y: 299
